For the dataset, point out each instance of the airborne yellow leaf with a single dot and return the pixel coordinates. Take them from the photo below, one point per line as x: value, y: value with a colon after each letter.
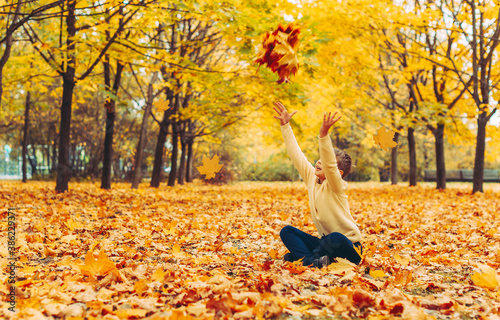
x: 486, y: 278
x: 279, y: 51
x: 384, y: 139
x: 289, y: 59
x: 210, y: 167
x: 162, y: 105
x: 283, y: 48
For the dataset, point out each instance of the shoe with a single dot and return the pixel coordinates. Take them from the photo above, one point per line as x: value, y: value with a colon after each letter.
x: 288, y: 257
x: 321, y: 262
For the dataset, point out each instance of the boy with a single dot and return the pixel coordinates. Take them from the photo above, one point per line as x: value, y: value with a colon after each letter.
x: 339, y: 233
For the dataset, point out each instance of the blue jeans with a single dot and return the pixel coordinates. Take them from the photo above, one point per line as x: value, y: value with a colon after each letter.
x: 304, y: 246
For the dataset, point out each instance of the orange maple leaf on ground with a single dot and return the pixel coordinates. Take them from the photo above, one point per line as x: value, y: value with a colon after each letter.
x: 100, y: 267
x: 279, y: 51
x: 486, y: 278
x: 210, y: 167
x: 384, y: 139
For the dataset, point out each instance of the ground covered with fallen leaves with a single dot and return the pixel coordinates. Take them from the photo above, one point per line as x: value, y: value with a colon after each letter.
x: 200, y: 251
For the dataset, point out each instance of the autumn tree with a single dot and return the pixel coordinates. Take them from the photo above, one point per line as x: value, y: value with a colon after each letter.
x: 110, y: 106
x: 15, y: 15
x: 366, y: 79
x: 195, y: 44
x: 437, y: 42
x: 444, y: 47
x: 66, y: 55
x: 148, y: 96
x: 475, y: 24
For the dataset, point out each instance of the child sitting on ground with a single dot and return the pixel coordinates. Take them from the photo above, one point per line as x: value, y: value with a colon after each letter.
x: 340, y: 236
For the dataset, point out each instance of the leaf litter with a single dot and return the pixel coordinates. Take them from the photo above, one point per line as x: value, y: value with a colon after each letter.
x: 203, y: 252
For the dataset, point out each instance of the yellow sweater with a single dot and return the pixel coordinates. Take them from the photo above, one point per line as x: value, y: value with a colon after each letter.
x: 328, y: 200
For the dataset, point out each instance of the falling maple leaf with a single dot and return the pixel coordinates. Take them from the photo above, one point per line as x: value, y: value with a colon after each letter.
x: 384, y: 139
x: 279, y: 51
x: 210, y: 167
x: 162, y: 105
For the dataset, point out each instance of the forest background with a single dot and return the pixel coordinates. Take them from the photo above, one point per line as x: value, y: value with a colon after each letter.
x: 135, y: 90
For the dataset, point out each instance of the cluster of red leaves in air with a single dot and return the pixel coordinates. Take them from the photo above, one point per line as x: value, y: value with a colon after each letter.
x: 279, y: 51
x: 204, y: 252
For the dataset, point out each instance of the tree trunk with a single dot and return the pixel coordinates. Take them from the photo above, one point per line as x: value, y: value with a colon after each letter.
x: 72, y: 159
x: 54, y: 155
x: 162, y: 135
x: 26, y: 134
x: 108, y: 145
x: 182, y: 165
x: 32, y: 159
x: 478, y: 177
x: 189, y: 161
x: 158, y: 163
x: 413, y: 157
x: 44, y: 161
x: 142, y: 139
x: 76, y: 161
x: 394, y: 161
x: 47, y: 154
x: 63, y: 166
x: 95, y: 164
x: 110, y: 121
x: 175, y: 150
x: 440, y: 161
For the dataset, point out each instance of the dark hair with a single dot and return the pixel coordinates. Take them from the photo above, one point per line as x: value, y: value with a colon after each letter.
x: 344, y: 161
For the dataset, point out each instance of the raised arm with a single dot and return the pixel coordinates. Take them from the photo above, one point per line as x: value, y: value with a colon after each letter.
x: 298, y: 158
x: 327, y: 154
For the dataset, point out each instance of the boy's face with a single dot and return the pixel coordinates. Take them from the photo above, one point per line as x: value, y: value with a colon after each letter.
x: 318, y: 170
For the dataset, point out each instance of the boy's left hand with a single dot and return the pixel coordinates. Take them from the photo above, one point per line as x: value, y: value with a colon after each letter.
x: 328, y: 121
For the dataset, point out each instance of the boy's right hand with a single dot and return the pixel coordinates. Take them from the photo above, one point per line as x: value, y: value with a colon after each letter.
x: 284, y: 116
